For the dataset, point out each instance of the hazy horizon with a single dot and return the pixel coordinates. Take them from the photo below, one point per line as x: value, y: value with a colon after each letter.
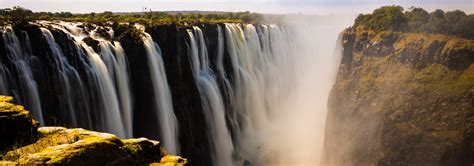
x: 260, y: 6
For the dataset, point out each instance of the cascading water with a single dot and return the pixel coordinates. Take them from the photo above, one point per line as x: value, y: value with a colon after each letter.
x: 71, y: 90
x: 257, y: 87
x: 114, y: 58
x: 3, y: 78
x: 162, y: 95
x: 112, y: 117
x: 20, y: 57
x: 212, y: 103
x: 261, y: 74
x: 108, y: 71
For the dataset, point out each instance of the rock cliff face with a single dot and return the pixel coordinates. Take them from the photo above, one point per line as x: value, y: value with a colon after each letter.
x: 402, y: 99
x: 25, y: 144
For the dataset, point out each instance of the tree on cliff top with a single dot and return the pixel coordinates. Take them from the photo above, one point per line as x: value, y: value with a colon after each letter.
x: 417, y: 18
x: 437, y: 23
x: 392, y: 18
x: 16, y: 14
x: 386, y: 18
x: 465, y: 27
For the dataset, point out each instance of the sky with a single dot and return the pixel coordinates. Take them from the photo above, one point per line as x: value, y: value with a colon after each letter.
x: 261, y: 6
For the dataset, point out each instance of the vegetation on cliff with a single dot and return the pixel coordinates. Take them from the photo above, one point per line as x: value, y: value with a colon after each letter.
x: 62, y: 146
x: 18, y: 15
x: 394, y: 18
x: 402, y: 97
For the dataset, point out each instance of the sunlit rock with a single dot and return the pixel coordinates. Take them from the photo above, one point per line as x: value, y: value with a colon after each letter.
x: 62, y: 146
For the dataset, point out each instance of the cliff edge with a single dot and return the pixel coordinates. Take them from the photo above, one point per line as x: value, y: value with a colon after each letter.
x: 402, y: 99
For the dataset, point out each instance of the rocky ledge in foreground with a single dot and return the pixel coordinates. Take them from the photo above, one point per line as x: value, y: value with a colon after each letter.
x: 22, y: 142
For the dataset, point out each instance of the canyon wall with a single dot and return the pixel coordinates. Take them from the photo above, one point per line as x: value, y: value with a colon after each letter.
x: 401, y: 99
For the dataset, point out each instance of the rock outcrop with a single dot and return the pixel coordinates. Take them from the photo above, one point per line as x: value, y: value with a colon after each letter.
x: 17, y: 126
x: 402, y: 99
x: 62, y: 146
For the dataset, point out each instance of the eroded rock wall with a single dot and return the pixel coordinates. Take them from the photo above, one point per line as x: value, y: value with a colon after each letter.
x: 402, y: 99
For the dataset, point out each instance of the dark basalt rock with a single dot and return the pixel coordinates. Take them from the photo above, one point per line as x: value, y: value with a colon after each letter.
x: 92, y: 43
x: 3, y: 58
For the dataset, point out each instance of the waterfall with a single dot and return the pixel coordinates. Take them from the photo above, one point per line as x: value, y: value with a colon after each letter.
x: 107, y: 70
x: 256, y: 88
x: 213, y: 106
x: 71, y: 88
x: 162, y: 95
x: 228, y: 91
x: 20, y: 56
x: 112, y: 117
x: 117, y: 65
x: 261, y: 58
x: 3, y: 79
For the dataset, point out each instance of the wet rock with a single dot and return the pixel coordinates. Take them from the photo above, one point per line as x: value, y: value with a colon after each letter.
x: 92, y: 43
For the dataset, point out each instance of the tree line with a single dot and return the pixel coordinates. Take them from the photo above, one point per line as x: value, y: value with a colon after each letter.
x: 19, y: 14
x: 415, y: 19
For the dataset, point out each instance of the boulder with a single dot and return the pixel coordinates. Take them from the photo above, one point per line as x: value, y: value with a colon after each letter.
x: 17, y: 126
x: 62, y: 146
x: 59, y: 146
x: 144, y: 150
